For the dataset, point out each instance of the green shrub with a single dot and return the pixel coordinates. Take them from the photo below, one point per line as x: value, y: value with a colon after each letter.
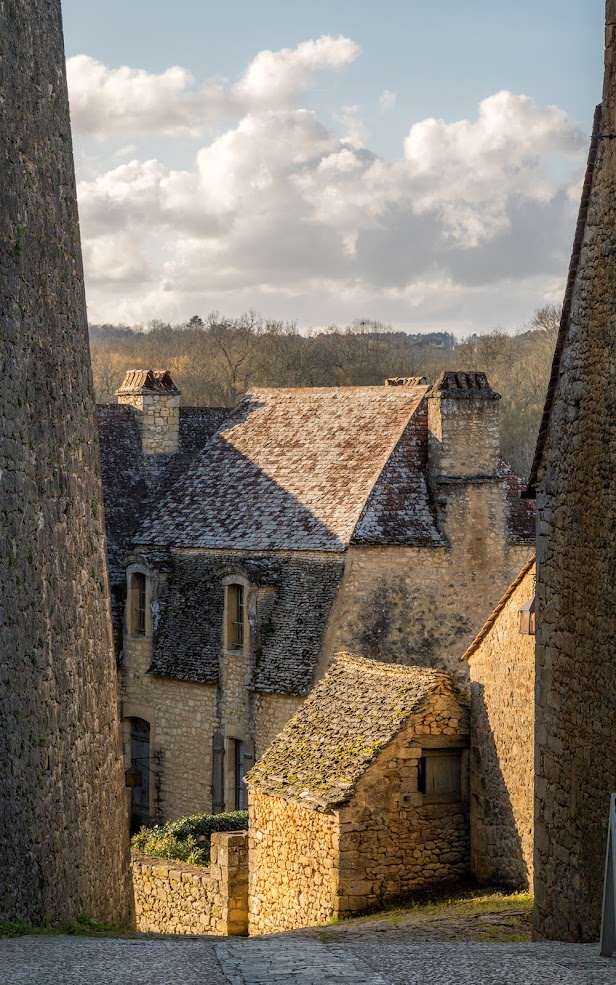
x: 188, y: 838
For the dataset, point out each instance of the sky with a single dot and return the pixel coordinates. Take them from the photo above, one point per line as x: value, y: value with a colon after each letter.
x: 416, y: 164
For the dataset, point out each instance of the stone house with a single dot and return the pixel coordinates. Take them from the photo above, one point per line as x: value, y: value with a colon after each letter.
x: 362, y: 797
x: 501, y: 662
x: 250, y: 545
x: 574, y: 480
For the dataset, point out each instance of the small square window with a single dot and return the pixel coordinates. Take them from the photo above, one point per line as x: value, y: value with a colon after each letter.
x: 439, y: 776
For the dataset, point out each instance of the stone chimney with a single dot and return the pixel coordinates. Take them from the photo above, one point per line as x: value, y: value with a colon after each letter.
x: 463, y: 427
x: 156, y: 399
x: 405, y: 381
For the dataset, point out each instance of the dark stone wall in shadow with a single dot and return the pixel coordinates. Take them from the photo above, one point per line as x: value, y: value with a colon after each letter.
x: 63, y: 826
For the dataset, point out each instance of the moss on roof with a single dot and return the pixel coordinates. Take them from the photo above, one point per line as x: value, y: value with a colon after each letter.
x: 353, y: 713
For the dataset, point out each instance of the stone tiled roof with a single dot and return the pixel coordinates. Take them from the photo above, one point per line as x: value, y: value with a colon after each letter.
x: 357, y: 708
x: 400, y: 509
x: 521, y: 511
x: 289, y: 628
x: 131, y: 480
x: 293, y: 469
x: 147, y: 380
x: 462, y: 385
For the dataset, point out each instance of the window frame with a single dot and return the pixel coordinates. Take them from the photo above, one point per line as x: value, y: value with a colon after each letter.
x: 457, y: 795
x: 140, y: 591
x: 236, y: 631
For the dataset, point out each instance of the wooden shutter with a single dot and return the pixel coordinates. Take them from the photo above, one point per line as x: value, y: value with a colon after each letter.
x: 218, y: 773
x: 248, y: 763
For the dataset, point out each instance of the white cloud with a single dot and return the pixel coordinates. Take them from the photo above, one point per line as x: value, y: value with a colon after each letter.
x: 108, y: 99
x: 280, y: 212
x: 387, y: 100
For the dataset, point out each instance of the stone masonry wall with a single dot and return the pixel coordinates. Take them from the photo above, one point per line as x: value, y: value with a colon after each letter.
x: 307, y: 866
x: 64, y: 845
x: 293, y: 865
x: 575, y: 754
x: 182, y: 719
x: 502, y: 670
x: 177, y: 898
x: 428, y: 604
x: 159, y: 420
x: 391, y: 840
x: 464, y: 436
x: 271, y: 714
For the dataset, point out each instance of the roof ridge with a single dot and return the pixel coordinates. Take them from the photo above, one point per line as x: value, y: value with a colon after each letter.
x: 487, y: 626
x: 380, y: 666
x: 563, y: 329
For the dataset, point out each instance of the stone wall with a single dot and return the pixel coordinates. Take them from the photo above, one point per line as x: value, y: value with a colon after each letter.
x: 392, y: 840
x: 182, y: 719
x: 428, y: 604
x: 307, y: 866
x: 64, y: 845
x: 177, y: 898
x: 293, y: 865
x: 502, y: 669
x: 464, y: 433
x: 271, y: 714
x: 575, y: 753
x: 159, y: 421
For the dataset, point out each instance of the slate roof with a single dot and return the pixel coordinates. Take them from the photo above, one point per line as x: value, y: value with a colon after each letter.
x: 563, y: 330
x: 131, y: 480
x: 521, y: 511
x: 350, y: 716
x: 293, y: 469
x: 290, y: 623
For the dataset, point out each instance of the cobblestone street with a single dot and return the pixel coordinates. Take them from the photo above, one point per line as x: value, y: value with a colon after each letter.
x: 198, y: 961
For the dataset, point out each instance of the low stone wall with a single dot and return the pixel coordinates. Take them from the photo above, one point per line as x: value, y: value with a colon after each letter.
x: 177, y: 898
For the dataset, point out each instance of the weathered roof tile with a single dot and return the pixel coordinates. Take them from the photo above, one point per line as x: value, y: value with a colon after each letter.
x: 292, y: 469
x: 358, y: 707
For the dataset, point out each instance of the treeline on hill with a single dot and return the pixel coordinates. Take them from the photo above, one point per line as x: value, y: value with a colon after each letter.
x: 214, y: 362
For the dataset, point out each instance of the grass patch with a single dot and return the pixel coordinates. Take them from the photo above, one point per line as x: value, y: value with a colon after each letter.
x: 82, y: 926
x: 448, y: 913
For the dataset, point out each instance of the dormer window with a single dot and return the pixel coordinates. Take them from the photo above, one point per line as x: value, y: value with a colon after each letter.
x: 138, y: 603
x: 139, y: 590
x: 236, y: 617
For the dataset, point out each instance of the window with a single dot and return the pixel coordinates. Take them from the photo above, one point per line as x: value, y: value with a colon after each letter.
x: 239, y: 788
x: 236, y: 617
x: 439, y: 776
x: 140, y: 757
x: 137, y: 603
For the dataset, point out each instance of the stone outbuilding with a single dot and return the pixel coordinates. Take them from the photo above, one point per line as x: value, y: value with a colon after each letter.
x: 501, y: 661
x: 361, y: 798
x: 252, y: 544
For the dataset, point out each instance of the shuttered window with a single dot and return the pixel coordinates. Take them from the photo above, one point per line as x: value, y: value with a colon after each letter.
x: 236, y: 630
x: 137, y: 603
x: 439, y: 776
